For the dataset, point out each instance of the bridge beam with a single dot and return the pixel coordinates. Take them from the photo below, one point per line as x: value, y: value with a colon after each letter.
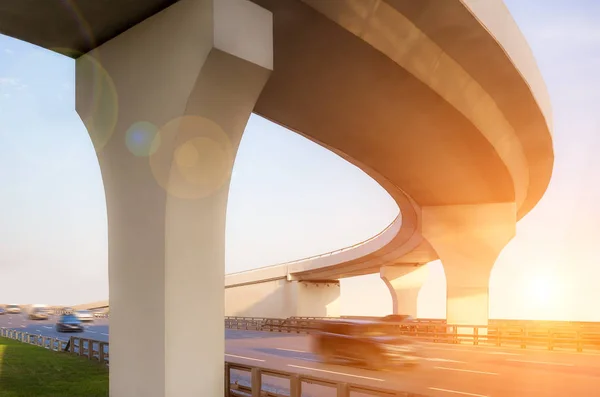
x: 468, y: 240
x: 165, y: 104
x: 404, y: 282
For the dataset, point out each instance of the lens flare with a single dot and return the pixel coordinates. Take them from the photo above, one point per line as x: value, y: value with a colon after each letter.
x: 142, y: 139
x: 97, y: 100
x: 194, y: 159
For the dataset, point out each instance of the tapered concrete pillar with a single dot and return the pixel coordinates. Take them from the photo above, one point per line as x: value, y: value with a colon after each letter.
x: 165, y: 104
x: 316, y: 298
x: 404, y: 282
x: 468, y: 240
x: 282, y: 299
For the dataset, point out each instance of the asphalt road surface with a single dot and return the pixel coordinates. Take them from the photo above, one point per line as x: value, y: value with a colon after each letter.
x: 445, y: 371
x: 97, y: 330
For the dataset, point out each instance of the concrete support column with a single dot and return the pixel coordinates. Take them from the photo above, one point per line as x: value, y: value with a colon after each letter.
x: 317, y: 298
x: 468, y: 239
x: 282, y: 299
x: 404, y: 282
x: 165, y: 104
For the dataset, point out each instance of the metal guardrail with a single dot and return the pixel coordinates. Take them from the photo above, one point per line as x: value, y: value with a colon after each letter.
x: 255, y: 387
x: 578, y: 338
x: 92, y: 349
x: 54, y: 344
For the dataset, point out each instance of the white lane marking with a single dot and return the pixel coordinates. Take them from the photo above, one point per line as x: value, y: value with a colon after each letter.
x: 444, y: 360
x: 104, y: 334
x: 336, y: 373
x: 466, y: 370
x: 457, y: 392
x: 22, y: 326
x: 466, y: 349
x: 37, y: 330
x: 503, y: 353
x: 542, y: 362
x: 292, y: 350
x: 47, y: 326
x: 245, y: 358
x: 92, y: 332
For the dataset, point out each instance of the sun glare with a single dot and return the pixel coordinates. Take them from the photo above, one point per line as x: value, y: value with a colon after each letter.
x: 543, y: 291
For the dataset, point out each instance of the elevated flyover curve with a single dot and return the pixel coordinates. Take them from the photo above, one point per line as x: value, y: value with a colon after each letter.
x: 440, y: 101
x: 444, y: 107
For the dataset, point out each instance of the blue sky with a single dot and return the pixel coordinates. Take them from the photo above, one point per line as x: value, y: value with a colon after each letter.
x: 53, y: 219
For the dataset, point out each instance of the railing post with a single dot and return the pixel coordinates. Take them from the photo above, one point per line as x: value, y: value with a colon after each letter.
x: 578, y: 342
x: 72, y: 344
x: 550, y: 339
x: 455, y: 334
x: 295, y: 386
x: 256, y: 382
x: 343, y: 390
x: 101, y: 353
x: 523, y: 337
x: 90, y: 349
x: 476, y: 335
x: 227, y: 380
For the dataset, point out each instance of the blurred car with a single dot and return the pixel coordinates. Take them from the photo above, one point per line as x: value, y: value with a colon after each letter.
x: 398, y: 318
x: 69, y: 323
x: 101, y: 313
x: 2, y: 310
x: 369, y: 342
x: 13, y: 309
x: 38, y: 313
x: 84, y: 315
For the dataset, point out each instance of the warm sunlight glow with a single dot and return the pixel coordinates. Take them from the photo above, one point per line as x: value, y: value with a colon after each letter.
x: 542, y: 291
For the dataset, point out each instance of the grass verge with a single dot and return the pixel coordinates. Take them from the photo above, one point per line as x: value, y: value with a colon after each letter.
x: 32, y: 371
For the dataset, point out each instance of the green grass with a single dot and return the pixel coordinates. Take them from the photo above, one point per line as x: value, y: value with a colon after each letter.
x: 32, y: 371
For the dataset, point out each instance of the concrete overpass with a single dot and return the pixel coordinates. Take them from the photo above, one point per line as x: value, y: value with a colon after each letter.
x: 442, y: 216
x: 439, y: 101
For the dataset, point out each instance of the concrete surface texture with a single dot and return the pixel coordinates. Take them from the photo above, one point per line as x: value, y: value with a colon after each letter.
x: 283, y: 299
x: 195, y: 71
x: 404, y: 282
x: 439, y: 101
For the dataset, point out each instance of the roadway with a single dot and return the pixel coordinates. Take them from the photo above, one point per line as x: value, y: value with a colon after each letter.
x: 97, y: 330
x: 445, y: 371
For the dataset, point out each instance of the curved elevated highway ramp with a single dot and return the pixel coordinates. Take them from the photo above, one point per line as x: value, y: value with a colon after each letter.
x: 440, y: 101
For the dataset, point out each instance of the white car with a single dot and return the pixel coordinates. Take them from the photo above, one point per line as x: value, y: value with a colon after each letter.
x: 13, y: 309
x: 84, y: 315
